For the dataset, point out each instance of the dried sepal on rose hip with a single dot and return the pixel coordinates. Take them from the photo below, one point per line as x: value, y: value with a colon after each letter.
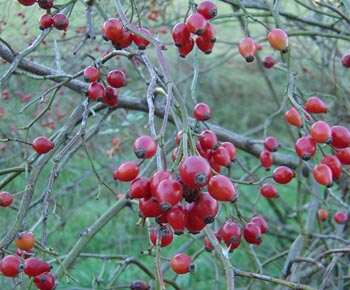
x: 247, y: 49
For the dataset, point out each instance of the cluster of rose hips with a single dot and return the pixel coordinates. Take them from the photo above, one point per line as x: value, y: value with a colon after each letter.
x: 231, y: 232
x: 59, y: 21
x: 278, y: 40
x: 196, y: 24
x: 97, y: 91
x: 113, y: 30
x: 340, y: 217
x: 320, y: 133
x: 187, y: 198
x: 25, y: 261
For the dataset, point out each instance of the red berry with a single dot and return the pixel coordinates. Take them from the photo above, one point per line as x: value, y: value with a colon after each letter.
x: 125, y: 40
x: 261, y: 222
x: 45, y: 281
x: 343, y: 155
x: 6, y: 198
x: 25, y: 240
x: 60, y: 21
x: 27, y: 2
x: 177, y: 217
x: 205, y: 207
x: 42, y: 145
x: 180, y: 34
x: 323, y: 174
x: 334, y: 164
x: 247, y: 49
x: 278, y: 39
x: 222, y: 157
x: 110, y: 98
x: 196, y: 23
x: 116, y: 78
x: 207, y: 245
x: 139, y: 285
x: 315, y: 105
x: 140, y: 41
x: 34, y: 267
x: 186, y: 47
x: 24, y: 254
x: 292, y: 116
x: 45, y: 4
x: 194, y: 223
x: 322, y: 214
x: 340, y: 217
x: 340, y: 137
x: 145, y: 147
x: 204, y: 45
x: 208, y: 140
x: 271, y: 144
x: 345, y: 60
x: 149, y: 207
x: 283, y: 174
x: 208, y: 9
x: 252, y: 233
x: 268, y: 61
x: 126, y: 171
x: 269, y: 190
x: 221, y: 188
x: 165, y: 235
x: 231, y: 233
x: 156, y: 178
x: 96, y: 91
x: 112, y: 29
x: 181, y: 264
x: 266, y: 159
x: 140, y: 188
x: 209, y: 33
x: 195, y: 171
x: 305, y: 147
x: 45, y: 21
x: 320, y: 131
x: 206, y: 153
x: 202, y: 112
x: 231, y: 148
x: 168, y: 193
x: 11, y: 266
x: 91, y: 74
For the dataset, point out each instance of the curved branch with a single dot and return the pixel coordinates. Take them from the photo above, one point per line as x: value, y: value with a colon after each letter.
x: 132, y: 103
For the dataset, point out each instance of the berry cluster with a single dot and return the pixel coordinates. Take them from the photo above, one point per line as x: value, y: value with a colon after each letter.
x: 97, y: 91
x: 59, y: 21
x: 278, y: 40
x: 196, y: 24
x: 187, y: 197
x: 24, y: 261
x: 320, y: 133
x: 113, y: 30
